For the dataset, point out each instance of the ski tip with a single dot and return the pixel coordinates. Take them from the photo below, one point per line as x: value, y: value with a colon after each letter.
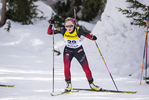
x: 62, y: 93
x: 52, y: 94
x: 55, y: 94
x: 1, y: 85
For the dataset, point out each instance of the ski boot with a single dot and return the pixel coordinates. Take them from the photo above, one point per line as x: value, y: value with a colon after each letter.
x: 69, y: 87
x: 94, y: 87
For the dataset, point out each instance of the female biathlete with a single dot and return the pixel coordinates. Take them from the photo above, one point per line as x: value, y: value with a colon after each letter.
x: 73, y: 48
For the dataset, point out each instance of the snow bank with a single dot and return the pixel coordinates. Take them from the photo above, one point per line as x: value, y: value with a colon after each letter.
x: 122, y: 44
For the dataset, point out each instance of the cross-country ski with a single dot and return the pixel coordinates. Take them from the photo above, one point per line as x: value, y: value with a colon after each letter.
x: 2, y: 85
x: 105, y: 90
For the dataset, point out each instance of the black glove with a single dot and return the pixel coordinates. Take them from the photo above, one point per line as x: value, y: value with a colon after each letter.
x: 94, y: 37
x: 52, y: 21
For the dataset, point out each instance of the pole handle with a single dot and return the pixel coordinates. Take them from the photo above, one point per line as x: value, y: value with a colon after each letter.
x: 53, y: 55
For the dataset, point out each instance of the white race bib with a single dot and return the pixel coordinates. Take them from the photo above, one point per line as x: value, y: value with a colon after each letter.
x: 73, y: 43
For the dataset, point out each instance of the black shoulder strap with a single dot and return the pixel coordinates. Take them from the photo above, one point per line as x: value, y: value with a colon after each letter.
x: 63, y: 30
x: 77, y: 29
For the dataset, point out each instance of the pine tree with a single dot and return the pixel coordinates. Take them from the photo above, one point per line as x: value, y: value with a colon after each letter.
x: 23, y: 11
x: 131, y: 12
x: 3, y: 11
x: 91, y: 8
x: 88, y: 8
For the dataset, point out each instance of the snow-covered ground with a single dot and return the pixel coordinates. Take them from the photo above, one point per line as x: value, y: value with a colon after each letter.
x: 26, y: 59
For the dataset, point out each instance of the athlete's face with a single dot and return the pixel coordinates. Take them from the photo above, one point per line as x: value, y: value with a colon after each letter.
x: 69, y: 26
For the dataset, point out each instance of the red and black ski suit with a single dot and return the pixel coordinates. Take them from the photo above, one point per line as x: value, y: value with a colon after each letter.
x: 72, y: 49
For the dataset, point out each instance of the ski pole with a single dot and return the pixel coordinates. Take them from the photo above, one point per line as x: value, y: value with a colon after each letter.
x: 106, y: 66
x: 75, y: 16
x: 74, y: 13
x: 53, y: 56
x: 145, y: 47
x: 146, y: 54
x: 143, y: 61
